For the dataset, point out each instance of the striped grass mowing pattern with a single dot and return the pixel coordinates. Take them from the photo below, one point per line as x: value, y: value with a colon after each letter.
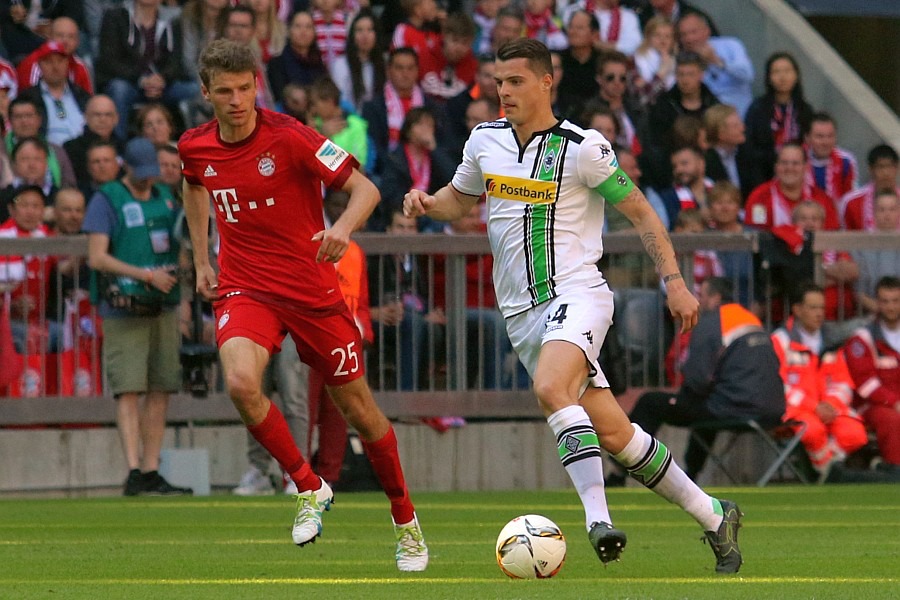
x: 839, y: 542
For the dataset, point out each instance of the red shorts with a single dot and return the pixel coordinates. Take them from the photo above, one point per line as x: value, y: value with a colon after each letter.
x: 329, y: 341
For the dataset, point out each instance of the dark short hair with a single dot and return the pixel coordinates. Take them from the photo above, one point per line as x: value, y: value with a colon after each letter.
x: 798, y: 294
x: 614, y: 57
x: 882, y: 151
x: 535, y: 52
x: 592, y: 19
x: 31, y: 140
x: 723, y: 287
x: 225, y: 56
x: 22, y: 189
x: 402, y: 51
x: 888, y: 282
x: 460, y: 25
x: 820, y: 117
x: 412, y: 118
x: 324, y: 88
x: 689, y: 58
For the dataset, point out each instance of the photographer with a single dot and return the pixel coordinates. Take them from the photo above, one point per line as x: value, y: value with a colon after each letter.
x: 134, y: 253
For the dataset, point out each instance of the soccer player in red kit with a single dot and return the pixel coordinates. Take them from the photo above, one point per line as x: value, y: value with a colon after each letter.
x: 264, y: 173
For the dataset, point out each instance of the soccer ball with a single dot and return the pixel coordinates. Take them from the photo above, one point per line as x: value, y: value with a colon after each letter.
x: 531, y: 547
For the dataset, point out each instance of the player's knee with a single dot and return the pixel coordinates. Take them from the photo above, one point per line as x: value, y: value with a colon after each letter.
x: 242, y: 385
x: 550, y: 394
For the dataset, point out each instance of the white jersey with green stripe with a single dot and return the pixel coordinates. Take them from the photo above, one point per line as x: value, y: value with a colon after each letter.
x: 545, y: 205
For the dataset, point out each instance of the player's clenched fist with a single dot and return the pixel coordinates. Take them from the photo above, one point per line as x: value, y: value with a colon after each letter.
x: 416, y: 203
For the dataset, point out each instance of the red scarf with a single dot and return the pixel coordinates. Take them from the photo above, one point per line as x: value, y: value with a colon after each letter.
x: 419, y: 169
x: 784, y: 126
x: 540, y: 26
x: 834, y: 174
x: 782, y: 208
x: 615, y: 25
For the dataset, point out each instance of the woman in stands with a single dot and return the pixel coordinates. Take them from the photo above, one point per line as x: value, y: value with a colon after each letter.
x: 779, y: 116
x: 301, y: 61
x: 155, y: 122
x: 361, y: 69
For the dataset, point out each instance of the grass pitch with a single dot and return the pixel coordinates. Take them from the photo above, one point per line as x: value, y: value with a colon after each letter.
x: 839, y: 542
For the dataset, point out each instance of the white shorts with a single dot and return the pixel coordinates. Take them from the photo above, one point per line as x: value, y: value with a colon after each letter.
x: 581, y: 317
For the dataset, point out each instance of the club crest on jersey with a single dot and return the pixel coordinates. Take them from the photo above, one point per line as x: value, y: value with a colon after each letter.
x: 548, y: 161
x: 331, y: 155
x: 266, y: 165
x: 223, y: 320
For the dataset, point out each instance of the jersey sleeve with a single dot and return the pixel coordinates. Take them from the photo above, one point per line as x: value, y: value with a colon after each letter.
x: 468, y: 178
x: 328, y: 161
x: 188, y: 165
x: 599, y: 169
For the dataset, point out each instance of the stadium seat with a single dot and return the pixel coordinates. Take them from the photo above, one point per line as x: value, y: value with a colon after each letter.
x: 782, y: 439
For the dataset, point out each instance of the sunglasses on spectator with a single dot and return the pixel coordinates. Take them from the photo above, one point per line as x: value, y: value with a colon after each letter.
x: 613, y: 77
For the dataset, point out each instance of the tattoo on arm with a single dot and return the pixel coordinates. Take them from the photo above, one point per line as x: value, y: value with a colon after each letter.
x: 671, y: 277
x: 654, y: 249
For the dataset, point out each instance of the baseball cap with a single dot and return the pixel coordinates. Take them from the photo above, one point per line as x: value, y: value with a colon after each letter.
x: 140, y: 156
x: 48, y: 48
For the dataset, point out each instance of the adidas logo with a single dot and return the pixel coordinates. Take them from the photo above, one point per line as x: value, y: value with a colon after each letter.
x: 209, y: 172
x: 328, y: 150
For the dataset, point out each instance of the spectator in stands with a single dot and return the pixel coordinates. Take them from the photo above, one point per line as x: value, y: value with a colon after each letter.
x: 540, y: 24
x: 30, y: 166
x: 579, y: 62
x: 140, y: 296
x: 141, y: 60
x: 818, y: 388
x: 485, y: 17
x: 100, y: 120
x: 672, y: 10
x: 831, y: 169
x: 689, y: 96
x: 772, y: 203
x: 612, y: 75
x: 64, y: 103
x: 484, y: 88
x: 420, y: 31
x: 857, y: 207
x: 873, y: 357
x: 619, y: 27
x: 705, y: 263
x: 26, y: 24
x: 70, y: 278
x: 655, y: 60
x: 26, y: 118
x: 875, y: 264
x: 63, y: 31
x: 330, y: 18
x: 727, y: 158
x: 347, y: 130
x: 731, y: 372
x: 360, y: 73
x: 729, y: 72
x: 778, y: 117
x: 155, y: 122
x: 301, y: 61
x: 270, y: 32
x: 510, y: 25
x: 400, y: 316
x: 455, y: 72
x: 202, y: 21
x: 32, y: 332
x: 724, y: 211
x: 691, y: 185
x: 840, y: 271
x: 170, y: 169
x: 240, y: 25
x: 416, y: 163
x: 386, y: 112
x: 296, y: 102
x: 102, y: 166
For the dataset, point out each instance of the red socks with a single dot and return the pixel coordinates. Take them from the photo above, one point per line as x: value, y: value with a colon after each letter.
x: 274, y: 435
x: 386, y: 463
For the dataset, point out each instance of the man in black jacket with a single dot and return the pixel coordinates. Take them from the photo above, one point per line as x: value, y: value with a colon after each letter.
x: 100, y: 120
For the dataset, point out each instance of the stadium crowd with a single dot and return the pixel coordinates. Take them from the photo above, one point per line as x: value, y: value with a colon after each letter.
x: 400, y: 84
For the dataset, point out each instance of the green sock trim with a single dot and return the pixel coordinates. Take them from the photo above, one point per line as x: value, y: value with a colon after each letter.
x: 585, y: 440
x: 655, y: 464
x: 717, y: 507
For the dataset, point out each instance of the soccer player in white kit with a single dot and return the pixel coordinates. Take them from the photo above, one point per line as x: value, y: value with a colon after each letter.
x: 547, y: 182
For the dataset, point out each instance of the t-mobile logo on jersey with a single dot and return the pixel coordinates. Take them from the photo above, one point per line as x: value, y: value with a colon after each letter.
x: 227, y: 202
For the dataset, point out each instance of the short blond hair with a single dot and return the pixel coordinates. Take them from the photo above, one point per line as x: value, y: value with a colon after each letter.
x: 225, y: 56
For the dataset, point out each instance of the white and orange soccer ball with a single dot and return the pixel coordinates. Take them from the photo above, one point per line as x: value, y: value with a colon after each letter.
x: 531, y: 547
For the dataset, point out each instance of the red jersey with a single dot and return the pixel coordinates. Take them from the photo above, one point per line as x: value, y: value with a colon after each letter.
x: 29, y: 72
x: 767, y: 207
x: 267, y: 194
x: 858, y: 208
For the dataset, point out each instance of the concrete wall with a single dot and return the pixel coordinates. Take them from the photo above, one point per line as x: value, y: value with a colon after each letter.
x: 768, y: 26
x: 480, y: 456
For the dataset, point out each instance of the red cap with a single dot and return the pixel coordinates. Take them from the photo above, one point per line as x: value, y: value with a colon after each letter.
x: 48, y: 48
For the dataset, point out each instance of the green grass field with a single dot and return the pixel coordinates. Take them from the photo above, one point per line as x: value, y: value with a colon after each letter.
x: 839, y: 542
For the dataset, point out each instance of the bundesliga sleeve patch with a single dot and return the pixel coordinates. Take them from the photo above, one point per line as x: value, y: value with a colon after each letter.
x: 331, y: 155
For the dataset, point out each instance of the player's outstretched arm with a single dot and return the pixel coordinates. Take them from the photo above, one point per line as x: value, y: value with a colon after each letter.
x: 655, y: 238
x: 196, y: 212
x: 447, y: 204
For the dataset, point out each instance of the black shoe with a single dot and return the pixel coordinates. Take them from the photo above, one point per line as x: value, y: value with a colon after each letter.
x: 607, y: 541
x: 724, y: 542
x: 134, y: 484
x: 156, y: 485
